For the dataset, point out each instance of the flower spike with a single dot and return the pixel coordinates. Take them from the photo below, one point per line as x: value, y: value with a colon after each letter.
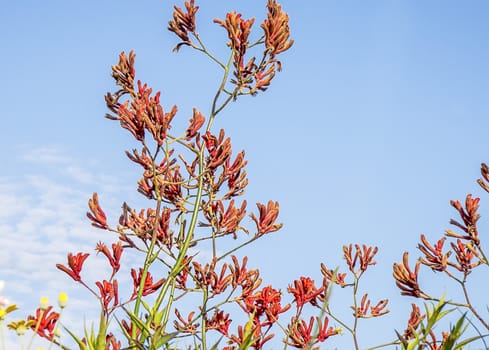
x: 75, y: 263
x: 183, y: 23
x: 96, y: 214
x: 407, y: 280
x: 266, y: 221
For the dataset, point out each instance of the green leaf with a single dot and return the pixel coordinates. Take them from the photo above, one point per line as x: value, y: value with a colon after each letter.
x: 75, y: 338
x: 466, y: 341
x: 129, y: 337
x: 146, y: 306
x: 90, y: 338
x: 412, y: 345
x: 160, y: 340
x: 102, y: 333
x: 403, y: 341
x: 215, y: 346
x: 145, y: 331
x: 434, y: 314
x: 248, y: 338
x: 455, y: 333
x: 158, y: 317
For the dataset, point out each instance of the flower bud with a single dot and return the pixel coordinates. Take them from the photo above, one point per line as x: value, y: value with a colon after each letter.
x: 44, y: 303
x: 62, y: 300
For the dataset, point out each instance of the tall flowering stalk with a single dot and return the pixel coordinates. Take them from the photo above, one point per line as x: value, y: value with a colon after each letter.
x: 194, y: 180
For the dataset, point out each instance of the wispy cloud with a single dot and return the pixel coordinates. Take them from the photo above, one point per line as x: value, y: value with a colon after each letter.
x: 46, y: 155
x: 42, y: 218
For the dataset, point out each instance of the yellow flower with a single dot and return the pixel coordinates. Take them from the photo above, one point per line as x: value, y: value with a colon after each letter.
x: 20, y: 327
x: 21, y: 330
x: 5, y: 311
x: 44, y: 303
x: 62, y: 300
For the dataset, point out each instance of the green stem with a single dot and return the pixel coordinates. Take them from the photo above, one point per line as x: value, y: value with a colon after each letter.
x: 484, y: 256
x: 394, y: 342
x: 178, y: 266
x: 355, y: 305
x: 471, y: 308
x: 204, y: 325
x: 166, y: 315
x: 203, y: 49
x: 149, y: 255
x: 336, y: 319
x: 238, y: 247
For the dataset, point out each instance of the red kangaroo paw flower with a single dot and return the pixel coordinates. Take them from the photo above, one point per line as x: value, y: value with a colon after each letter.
x: 75, y: 263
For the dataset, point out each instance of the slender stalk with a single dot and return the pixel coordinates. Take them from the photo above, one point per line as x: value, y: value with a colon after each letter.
x: 324, y: 307
x: 484, y: 257
x: 203, y: 49
x: 355, y: 304
x: 471, y: 308
x: 394, y: 342
x: 336, y: 319
x: 38, y: 323
x: 205, y: 299
x: 238, y: 247
x: 481, y: 336
x: 215, y: 110
x: 149, y: 256
x: 53, y: 340
x: 2, y: 335
x: 166, y: 315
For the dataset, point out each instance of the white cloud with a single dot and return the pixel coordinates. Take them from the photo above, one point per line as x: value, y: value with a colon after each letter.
x: 45, y: 155
x: 42, y: 219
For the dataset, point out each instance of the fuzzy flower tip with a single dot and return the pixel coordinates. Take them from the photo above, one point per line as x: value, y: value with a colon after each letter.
x: 57, y: 332
x: 44, y: 303
x: 62, y: 300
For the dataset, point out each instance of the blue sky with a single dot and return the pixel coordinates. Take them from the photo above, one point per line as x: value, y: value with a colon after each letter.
x: 378, y: 119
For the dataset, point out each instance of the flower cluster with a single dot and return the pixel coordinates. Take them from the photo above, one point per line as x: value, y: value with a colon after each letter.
x: 253, y: 75
x: 456, y: 260
x: 465, y: 249
x: 183, y: 23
